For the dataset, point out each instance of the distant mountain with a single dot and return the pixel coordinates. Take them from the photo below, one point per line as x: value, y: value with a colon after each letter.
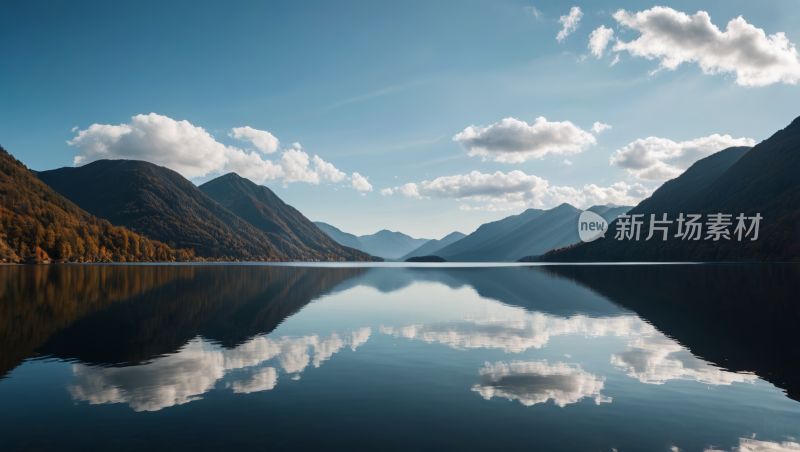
x: 262, y: 208
x: 162, y: 204
x: 554, y: 228
x: 488, y: 231
x: 425, y: 259
x: 39, y: 225
x: 761, y: 180
x: 342, y: 238
x: 432, y: 246
x: 390, y: 245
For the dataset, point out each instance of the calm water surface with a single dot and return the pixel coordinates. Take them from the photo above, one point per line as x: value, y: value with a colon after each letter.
x: 216, y: 357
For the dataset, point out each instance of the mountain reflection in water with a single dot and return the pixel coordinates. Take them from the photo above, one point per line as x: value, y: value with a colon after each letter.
x: 150, y: 337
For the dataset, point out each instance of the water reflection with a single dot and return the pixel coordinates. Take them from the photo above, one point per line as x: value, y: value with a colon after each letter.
x: 754, y: 445
x: 408, y: 347
x: 195, y: 369
x: 741, y: 317
x: 515, y: 330
x: 539, y: 381
x: 657, y: 359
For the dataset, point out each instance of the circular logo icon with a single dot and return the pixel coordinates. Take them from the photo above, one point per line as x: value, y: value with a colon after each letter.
x: 591, y: 226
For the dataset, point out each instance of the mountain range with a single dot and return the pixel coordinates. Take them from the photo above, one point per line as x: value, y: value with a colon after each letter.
x: 384, y: 243
x: 125, y: 210
x: 39, y: 225
x: 533, y: 232
x: 432, y: 247
x: 523, y: 235
x: 161, y: 204
x: 262, y: 208
x: 761, y: 180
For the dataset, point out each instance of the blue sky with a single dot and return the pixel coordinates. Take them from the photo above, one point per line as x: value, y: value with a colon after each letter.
x: 381, y: 88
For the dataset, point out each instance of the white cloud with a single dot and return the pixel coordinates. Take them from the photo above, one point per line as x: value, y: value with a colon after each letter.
x: 597, y: 127
x: 535, y: 382
x: 75, y: 128
x: 387, y: 192
x: 488, y: 208
x: 516, y: 189
x: 261, y: 139
x: 616, y: 60
x: 599, y: 39
x: 295, y: 166
x: 193, y: 152
x: 660, y: 159
x: 514, y: 141
x: 327, y: 172
x: 360, y: 182
x: 567, y: 162
x: 534, y: 12
x: 674, y: 37
x: 570, y: 23
x: 619, y: 193
x: 410, y: 190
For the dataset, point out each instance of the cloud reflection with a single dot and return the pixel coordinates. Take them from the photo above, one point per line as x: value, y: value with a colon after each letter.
x: 651, y: 357
x: 515, y: 330
x: 185, y: 375
x: 754, y: 445
x: 656, y: 359
x: 535, y: 382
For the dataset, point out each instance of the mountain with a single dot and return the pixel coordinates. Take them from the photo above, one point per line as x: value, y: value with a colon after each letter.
x: 39, y: 225
x: 554, y: 228
x: 390, y: 245
x: 428, y: 259
x: 162, y: 204
x: 761, y: 180
x: 432, y: 246
x: 261, y: 207
x: 488, y: 231
x: 342, y: 238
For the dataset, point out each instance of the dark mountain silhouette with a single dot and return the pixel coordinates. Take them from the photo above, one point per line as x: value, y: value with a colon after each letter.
x: 488, y: 231
x: 390, y: 245
x: 432, y: 246
x: 261, y: 207
x: 763, y: 180
x: 162, y: 204
x: 39, y: 225
x: 541, y: 232
x: 425, y: 259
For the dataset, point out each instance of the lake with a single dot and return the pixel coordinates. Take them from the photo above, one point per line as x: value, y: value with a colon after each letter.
x: 399, y: 357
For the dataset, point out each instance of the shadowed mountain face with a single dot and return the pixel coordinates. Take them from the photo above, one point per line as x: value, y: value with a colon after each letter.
x: 741, y: 317
x: 142, y: 312
x: 762, y: 180
x: 487, y: 232
x: 390, y: 245
x: 37, y: 225
x: 547, y: 230
x: 433, y: 246
x: 162, y: 204
x: 342, y: 238
x: 260, y: 207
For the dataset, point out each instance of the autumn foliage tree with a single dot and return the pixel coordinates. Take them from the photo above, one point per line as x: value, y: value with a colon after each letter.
x: 39, y: 225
